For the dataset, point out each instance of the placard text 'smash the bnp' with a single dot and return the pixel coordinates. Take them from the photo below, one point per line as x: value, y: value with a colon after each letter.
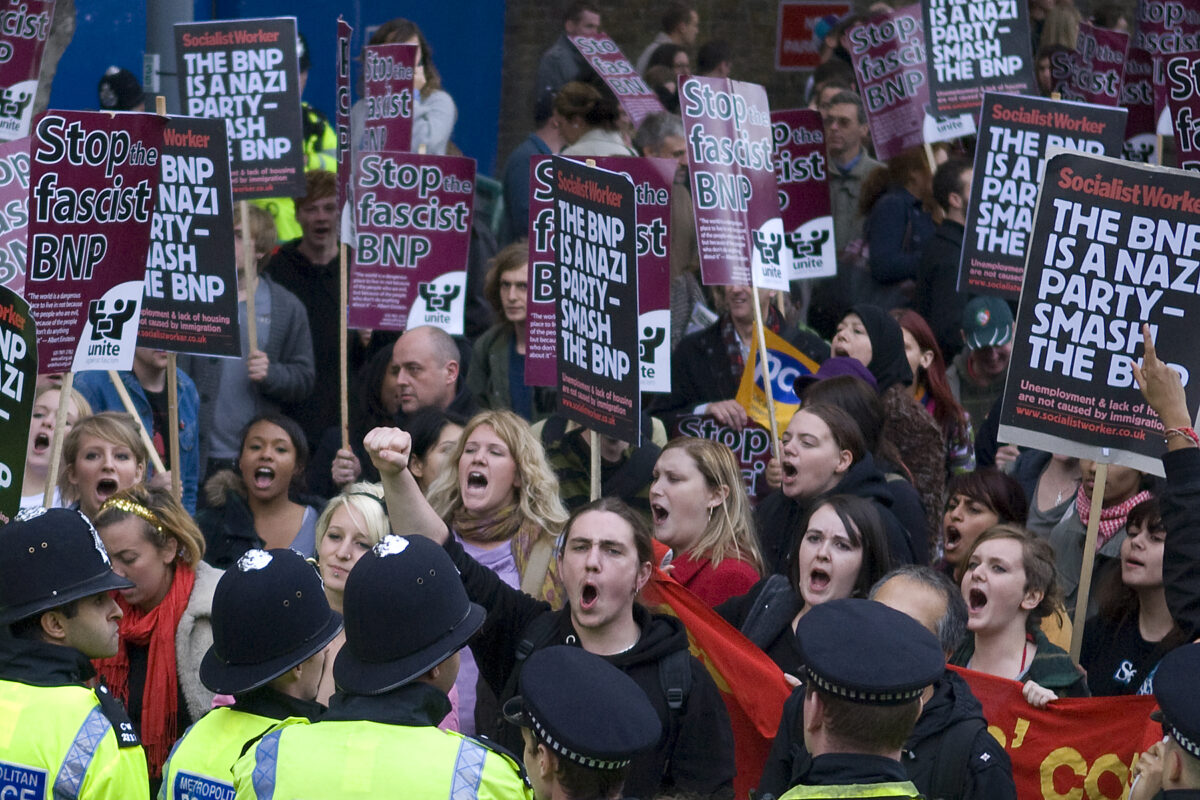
x: 1114, y: 245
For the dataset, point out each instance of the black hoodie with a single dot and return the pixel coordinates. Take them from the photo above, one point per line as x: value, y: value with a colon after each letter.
x: 779, y: 516
x: 696, y: 751
x: 988, y: 769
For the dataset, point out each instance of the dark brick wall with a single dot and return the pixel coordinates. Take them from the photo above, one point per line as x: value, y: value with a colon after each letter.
x: 532, y: 25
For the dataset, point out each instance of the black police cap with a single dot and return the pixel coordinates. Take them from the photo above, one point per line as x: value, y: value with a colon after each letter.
x: 48, y: 559
x: 405, y: 611
x: 269, y: 613
x: 863, y: 651
x: 1179, y: 704
x: 584, y: 708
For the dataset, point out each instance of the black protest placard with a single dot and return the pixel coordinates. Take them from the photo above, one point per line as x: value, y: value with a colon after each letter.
x: 595, y: 224
x: 1013, y: 140
x: 18, y: 376
x: 246, y: 72
x: 976, y: 46
x: 190, y: 303
x: 1114, y: 245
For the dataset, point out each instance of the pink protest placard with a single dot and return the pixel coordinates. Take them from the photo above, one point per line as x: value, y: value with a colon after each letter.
x: 14, y: 215
x: 804, y: 202
x: 727, y: 125
x: 342, y: 104
x: 1094, y: 70
x: 413, y: 216
x: 388, y: 80
x: 652, y: 180
x: 23, y: 32
x: 1183, y: 94
x: 1137, y: 96
x: 93, y: 179
x: 888, y: 51
x: 638, y: 99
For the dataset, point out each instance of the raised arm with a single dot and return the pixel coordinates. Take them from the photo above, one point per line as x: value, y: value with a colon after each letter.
x: 408, y: 510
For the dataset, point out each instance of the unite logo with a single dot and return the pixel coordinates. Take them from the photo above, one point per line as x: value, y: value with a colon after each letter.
x: 438, y: 299
x: 109, y: 324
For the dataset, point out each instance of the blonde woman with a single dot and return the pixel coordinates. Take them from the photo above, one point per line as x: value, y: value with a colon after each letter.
x: 41, y: 435
x: 351, y: 524
x: 167, y: 622
x: 103, y: 454
x: 701, y: 511
x: 501, y: 500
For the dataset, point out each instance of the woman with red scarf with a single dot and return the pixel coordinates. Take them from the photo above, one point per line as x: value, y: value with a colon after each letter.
x: 167, y: 625
x: 1124, y: 489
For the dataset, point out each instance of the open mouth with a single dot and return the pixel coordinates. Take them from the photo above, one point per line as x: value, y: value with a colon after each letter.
x: 107, y: 487
x: 953, y: 537
x: 588, y: 597
x: 263, y: 477
x: 818, y: 580
x: 789, y: 469
x: 41, y: 443
x: 660, y: 513
x: 976, y: 600
x: 839, y: 350
x: 476, y: 480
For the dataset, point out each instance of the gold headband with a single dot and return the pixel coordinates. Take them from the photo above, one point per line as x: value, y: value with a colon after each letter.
x: 130, y: 507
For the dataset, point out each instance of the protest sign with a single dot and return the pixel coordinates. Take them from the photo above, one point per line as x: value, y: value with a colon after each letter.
x: 413, y: 215
x: 342, y: 113
x: 1165, y: 27
x: 18, y: 376
x: 246, y: 72
x: 751, y: 447
x: 1078, y: 747
x: 1093, y: 71
x: 1183, y: 95
x: 652, y: 179
x: 888, y: 53
x: 602, y: 53
x: 190, y: 303
x: 804, y: 203
x: 797, y: 45
x: 1014, y: 138
x: 595, y: 229
x: 976, y: 47
x: 93, y: 178
x: 1137, y: 97
x: 23, y: 32
x: 731, y: 158
x: 388, y: 81
x: 786, y: 365
x: 1114, y: 245
x: 14, y: 212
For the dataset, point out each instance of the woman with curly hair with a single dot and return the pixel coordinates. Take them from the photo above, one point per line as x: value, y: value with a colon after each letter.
x: 931, y: 390
x: 501, y: 501
x: 1009, y: 585
x: 167, y: 622
x: 701, y: 511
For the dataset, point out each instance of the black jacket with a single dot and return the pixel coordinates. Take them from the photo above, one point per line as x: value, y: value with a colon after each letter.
x: 778, y: 516
x: 952, y: 710
x: 696, y: 751
x: 776, y: 639
x: 1181, y: 518
x: 937, y: 298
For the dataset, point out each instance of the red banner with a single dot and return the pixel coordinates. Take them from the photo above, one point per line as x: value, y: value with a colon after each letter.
x: 1078, y: 748
x: 751, y: 685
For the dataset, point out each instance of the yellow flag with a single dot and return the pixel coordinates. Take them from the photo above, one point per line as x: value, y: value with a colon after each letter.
x: 787, y: 363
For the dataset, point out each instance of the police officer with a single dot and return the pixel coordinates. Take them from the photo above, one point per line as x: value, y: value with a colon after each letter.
x: 61, y: 739
x: 1172, y: 766
x: 582, y: 720
x: 867, y: 666
x: 407, y: 616
x: 271, y: 623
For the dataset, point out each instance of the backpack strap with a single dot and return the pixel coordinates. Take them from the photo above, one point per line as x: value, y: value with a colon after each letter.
x: 953, y: 759
x: 675, y: 677
x: 536, y: 567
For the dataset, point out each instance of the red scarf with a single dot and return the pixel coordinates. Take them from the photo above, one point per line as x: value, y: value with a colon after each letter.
x: 1112, y: 518
x: 160, y: 696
